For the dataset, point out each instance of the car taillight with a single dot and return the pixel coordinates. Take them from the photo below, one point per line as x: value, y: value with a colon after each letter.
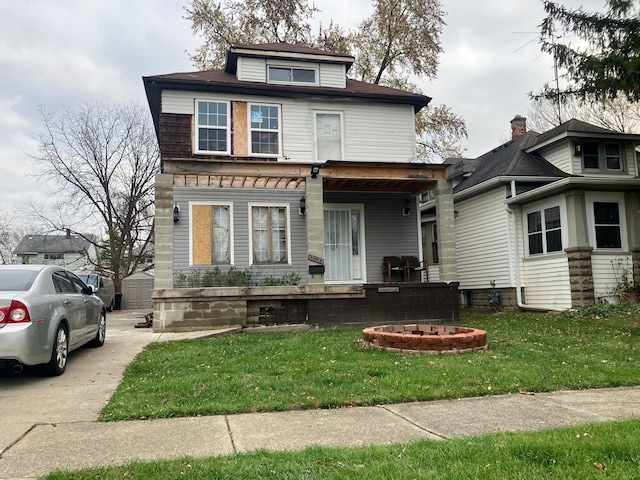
x: 16, y: 313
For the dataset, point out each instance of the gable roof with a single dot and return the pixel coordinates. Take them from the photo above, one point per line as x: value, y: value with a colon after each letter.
x: 577, y: 128
x: 34, y: 244
x: 511, y: 160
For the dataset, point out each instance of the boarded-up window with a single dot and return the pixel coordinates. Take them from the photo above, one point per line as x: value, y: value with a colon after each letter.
x: 210, y: 234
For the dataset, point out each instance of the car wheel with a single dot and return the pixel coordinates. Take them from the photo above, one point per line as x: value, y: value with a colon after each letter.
x: 60, y: 353
x: 101, y: 334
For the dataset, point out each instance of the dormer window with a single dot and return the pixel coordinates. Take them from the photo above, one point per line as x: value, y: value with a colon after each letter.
x: 605, y: 157
x: 278, y: 74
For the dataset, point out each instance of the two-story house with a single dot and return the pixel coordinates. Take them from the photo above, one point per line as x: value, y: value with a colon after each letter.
x: 70, y: 250
x: 281, y: 165
x: 548, y: 221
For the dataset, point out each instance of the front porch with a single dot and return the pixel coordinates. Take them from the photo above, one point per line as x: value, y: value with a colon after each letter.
x: 377, y: 208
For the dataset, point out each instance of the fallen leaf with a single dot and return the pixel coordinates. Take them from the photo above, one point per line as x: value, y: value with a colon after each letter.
x: 598, y: 466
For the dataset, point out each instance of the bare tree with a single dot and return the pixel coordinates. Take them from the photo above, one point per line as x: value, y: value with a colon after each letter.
x: 101, y: 161
x: 398, y: 42
x: 619, y: 114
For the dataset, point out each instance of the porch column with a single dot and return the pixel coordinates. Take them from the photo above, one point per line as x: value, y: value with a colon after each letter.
x: 163, y: 233
x: 446, y: 231
x: 315, y: 226
x: 632, y: 209
x: 578, y: 251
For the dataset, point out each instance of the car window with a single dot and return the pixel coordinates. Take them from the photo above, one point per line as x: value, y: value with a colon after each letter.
x: 17, y: 280
x: 78, y: 285
x: 61, y: 283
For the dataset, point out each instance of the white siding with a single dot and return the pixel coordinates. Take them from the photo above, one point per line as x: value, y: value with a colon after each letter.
x: 546, y: 282
x: 373, y: 132
x: 333, y: 76
x: 561, y: 156
x: 251, y: 70
x: 482, y: 241
x: 606, y: 273
x: 630, y: 159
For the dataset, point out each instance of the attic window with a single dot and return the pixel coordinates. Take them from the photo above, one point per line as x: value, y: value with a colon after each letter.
x: 292, y: 75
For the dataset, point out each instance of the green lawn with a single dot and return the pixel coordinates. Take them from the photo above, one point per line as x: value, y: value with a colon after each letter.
x: 326, y: 369
x: 321, y: 369
x: 590, y: 451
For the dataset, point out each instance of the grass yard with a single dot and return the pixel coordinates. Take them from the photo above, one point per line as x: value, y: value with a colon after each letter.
x: 327, y: 369
x: 590, y: 451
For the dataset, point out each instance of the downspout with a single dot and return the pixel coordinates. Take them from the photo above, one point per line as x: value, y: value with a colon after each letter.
x: 517, y: 261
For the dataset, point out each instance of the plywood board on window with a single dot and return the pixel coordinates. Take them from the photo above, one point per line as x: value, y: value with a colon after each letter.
x: 240, y: 125
x: 202, y: 219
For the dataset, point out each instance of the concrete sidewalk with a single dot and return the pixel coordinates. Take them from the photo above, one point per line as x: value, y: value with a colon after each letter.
x: 75, y: 445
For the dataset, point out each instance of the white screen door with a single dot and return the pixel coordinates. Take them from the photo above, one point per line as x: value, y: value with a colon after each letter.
x: 342, y: 244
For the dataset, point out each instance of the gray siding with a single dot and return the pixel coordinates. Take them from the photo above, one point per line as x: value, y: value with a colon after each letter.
x: 387, y: 231
x: 240, y: 199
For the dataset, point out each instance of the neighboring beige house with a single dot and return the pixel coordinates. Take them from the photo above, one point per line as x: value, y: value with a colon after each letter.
x: 281, y: 165
x: 71, y: 251
x: 546, y: 221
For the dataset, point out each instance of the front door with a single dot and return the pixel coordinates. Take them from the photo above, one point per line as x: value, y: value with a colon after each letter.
x: 343, y: 244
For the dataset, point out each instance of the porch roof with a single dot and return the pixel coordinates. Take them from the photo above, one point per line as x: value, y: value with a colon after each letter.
x: 414, y: 178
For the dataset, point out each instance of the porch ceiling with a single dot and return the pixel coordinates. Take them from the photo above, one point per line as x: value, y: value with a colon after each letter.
x: 414, y: 178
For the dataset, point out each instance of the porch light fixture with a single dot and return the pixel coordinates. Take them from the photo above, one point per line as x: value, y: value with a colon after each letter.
x: 176, y: 213
x: 577, y: 149
x: 407, y: 207
x: 315, y: 170
x: 303, y: 206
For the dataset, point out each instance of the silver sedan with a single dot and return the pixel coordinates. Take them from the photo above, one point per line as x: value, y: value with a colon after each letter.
x: 45, y: 312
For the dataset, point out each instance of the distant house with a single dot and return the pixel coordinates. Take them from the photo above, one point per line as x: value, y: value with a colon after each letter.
x: 72, y: 251
x: 545, y: 221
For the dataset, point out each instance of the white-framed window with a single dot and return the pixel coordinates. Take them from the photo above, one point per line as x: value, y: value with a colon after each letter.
x: 212, y: 126
x: 54, y: 256
x: 269, y: 229
x: 602, y: 157
x: 606, y: 217
x: 285, y: 74
x: 264, y: 129
x: 329, y: 136
x: 211, y: 234
x: 545, y: 227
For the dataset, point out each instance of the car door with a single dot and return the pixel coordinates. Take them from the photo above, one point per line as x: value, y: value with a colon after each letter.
x: 91, y: 305
x: 73, y: 305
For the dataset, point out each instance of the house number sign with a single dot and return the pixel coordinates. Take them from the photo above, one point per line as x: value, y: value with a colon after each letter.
x: 313, y: 258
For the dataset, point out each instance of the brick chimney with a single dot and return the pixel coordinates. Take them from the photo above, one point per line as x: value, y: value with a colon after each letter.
x: 518, y: 126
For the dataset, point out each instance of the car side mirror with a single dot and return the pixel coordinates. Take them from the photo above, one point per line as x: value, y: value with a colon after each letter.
x: 90, y: 290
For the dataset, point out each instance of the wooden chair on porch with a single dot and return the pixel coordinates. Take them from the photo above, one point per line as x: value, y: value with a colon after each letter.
x: 412, y: 264
x: 390, y: 265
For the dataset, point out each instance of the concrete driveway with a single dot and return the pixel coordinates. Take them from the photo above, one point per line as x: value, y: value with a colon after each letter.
x: 79, y: 394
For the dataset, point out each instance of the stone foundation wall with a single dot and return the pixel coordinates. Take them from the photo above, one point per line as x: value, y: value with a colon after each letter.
x: 317, y: 304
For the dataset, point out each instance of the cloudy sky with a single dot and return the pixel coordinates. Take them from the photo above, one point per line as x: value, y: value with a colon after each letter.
x: 64, y: 53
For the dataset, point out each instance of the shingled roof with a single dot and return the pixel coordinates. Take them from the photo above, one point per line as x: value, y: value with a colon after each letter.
x: 34, y: 244
x: 511, y: 160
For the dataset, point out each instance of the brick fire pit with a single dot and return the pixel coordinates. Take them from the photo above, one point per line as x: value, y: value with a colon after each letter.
x: 428, y: 339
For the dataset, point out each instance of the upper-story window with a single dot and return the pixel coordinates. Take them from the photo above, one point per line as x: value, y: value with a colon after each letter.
x: 328, y: 138
x: 606, y: 157
x: 308, y: 76
x: 213, y: 134
x: 264, y: 129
